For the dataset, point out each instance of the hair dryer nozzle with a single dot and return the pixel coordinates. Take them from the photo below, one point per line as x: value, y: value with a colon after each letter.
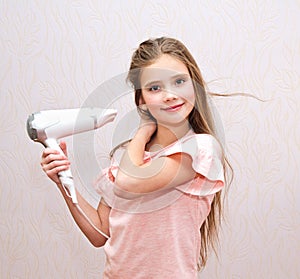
x: 32, y: 133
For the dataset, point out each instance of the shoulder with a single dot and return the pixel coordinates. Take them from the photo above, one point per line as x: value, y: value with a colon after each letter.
x: 206, y: 140
x: 202, y: 142
x: 193, y: 144
x: 205, y: 151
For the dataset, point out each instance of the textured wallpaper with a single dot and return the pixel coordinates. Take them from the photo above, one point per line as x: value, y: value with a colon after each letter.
x: 63, y: 54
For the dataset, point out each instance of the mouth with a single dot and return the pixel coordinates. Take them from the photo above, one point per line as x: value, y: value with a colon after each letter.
x: 173, y: 108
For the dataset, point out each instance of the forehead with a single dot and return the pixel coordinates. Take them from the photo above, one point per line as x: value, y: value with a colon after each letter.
x: 164, y: 67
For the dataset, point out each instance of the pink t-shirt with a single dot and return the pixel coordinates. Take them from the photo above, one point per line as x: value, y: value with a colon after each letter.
x: 157, y: 235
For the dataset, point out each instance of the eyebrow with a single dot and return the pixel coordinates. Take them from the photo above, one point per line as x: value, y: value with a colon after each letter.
x: 152, y: 82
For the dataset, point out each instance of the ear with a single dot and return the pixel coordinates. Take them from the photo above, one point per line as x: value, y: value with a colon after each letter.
x: 142, y: 107
x: 141, y: 101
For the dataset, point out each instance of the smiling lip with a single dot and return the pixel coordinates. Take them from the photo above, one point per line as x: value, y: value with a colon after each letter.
x: 173, y: 108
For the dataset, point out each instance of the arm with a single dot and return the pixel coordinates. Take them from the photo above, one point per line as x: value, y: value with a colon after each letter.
x: 99, y: 218
x: 135, y: 176
x: 52, y: 163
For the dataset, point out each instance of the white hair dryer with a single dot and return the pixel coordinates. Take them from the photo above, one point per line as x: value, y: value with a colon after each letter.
x: 48, y: 126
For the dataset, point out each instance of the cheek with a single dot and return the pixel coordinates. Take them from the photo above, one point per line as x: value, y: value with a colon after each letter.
x: 152, y: 103
x: 149, y: 99
x: 188, y: 94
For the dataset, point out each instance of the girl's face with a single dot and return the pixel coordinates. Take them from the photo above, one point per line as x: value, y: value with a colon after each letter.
x: 167, y: 90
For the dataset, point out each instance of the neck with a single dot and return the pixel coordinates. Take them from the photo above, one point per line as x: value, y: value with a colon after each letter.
x: 167, y: 134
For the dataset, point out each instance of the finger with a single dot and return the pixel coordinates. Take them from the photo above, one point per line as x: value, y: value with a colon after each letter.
x: 47, y: 151
x: 53, y: 161
x: 53, y: 173
x: 48, y: 158
x: 56, y: 169
x: 55, y: 166
x: 63, y: 147
x: 143, y: 106
x: 144, y: 112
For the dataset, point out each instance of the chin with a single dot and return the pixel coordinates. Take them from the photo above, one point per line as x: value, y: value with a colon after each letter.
x: 172, y: 122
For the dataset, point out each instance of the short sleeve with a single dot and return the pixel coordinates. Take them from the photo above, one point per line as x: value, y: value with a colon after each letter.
x: 104, y: 186
x: 206, y: 154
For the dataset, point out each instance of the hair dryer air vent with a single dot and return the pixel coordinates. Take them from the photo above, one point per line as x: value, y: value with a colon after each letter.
x: 32, y: 133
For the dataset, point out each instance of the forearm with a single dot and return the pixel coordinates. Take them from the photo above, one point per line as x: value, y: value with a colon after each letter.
x: 133, y: 171
x: 93, y: 236
x: 134, y: 176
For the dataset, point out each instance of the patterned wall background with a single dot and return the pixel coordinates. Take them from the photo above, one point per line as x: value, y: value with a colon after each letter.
x: 54, y: 54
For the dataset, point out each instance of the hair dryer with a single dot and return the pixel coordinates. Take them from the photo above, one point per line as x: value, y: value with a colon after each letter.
x: 48, y: 126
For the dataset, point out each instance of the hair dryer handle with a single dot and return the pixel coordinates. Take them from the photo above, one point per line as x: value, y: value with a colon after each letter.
x: 65, y: 177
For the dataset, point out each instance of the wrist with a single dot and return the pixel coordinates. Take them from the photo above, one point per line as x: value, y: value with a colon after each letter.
x: 142, y: 135
x: 63, y: 191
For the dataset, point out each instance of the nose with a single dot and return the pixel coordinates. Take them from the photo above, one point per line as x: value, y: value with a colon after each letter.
x: 169, y: 95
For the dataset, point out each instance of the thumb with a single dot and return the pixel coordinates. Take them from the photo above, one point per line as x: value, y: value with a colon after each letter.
x: 63, y: 147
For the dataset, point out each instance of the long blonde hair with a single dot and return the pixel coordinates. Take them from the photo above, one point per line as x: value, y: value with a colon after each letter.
x: 200, y: 117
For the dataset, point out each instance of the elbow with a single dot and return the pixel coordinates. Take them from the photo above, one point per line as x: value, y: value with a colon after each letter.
x: 120, y: 181
x: 98, y: 242
x: 98, y: 245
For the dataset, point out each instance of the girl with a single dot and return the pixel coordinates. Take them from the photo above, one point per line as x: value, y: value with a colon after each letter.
x: 160, y: 198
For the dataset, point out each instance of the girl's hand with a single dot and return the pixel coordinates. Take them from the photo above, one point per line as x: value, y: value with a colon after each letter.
x: 53, y: 162
x: 147, y: 126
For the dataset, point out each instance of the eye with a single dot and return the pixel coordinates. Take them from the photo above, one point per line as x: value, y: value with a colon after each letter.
x: 154, y: 88
x: 179, y: 81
